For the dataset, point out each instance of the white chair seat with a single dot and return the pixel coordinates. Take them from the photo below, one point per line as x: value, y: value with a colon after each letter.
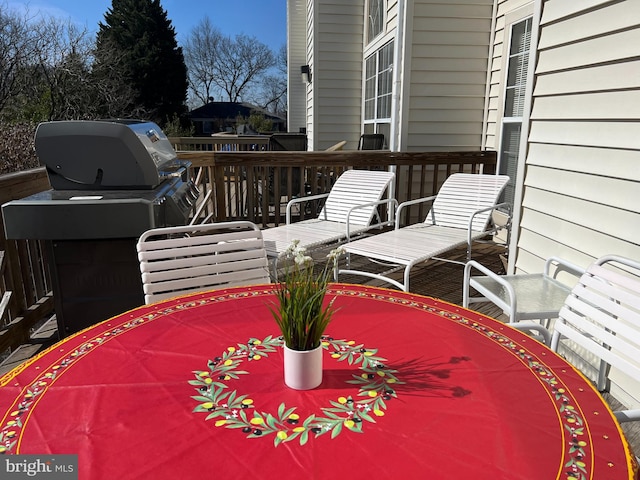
x: 311, y: 233
x: 412, y: 244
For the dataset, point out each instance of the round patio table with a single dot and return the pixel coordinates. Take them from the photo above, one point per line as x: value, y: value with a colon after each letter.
x: 412, y: 388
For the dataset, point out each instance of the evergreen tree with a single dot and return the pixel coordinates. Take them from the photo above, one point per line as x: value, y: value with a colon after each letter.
x: 138, y: 62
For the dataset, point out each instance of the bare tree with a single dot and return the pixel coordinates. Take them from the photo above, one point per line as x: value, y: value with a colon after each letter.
x: 242, y: 61
x: 17, y: 47
x: 63, y: 59
x: 273, y: 90
x: 234, y: 69
x: 44, y: 68
x: 201, y: 55
x: 112, y: 98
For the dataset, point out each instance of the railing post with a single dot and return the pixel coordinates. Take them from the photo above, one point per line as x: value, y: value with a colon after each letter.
x: 218, y: 182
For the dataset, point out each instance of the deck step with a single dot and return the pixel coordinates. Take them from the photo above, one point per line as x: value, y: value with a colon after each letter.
x: 47, y: 333
x: 44, y: 336
x: 18, y: 356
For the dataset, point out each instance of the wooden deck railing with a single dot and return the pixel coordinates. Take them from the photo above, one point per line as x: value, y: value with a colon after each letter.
x: 25, y: 283
x: 244, y: 183
x: 229, y: 143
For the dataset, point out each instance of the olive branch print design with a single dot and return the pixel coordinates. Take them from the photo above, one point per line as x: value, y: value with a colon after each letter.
x: 230, y: 410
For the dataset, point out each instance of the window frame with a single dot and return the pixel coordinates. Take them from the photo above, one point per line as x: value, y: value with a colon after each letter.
x: 378, y: 90
x: 371, y: 32
x: 517, y: 106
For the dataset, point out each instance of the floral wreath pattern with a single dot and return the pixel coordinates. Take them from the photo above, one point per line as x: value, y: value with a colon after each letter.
x: 376, y: 387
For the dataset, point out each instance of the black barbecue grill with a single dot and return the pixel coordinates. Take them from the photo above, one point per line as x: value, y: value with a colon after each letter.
x: 111, y: 181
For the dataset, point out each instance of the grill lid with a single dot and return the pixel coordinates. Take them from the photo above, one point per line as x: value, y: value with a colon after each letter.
x: 105, y: 154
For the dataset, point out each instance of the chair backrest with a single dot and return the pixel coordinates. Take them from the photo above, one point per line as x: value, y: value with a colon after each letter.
x: 353, y: 188
x: 461, y: 195
x: 371, y: 141
x: 602, y: 314
x: 185, y: 259
x: 288, y: 141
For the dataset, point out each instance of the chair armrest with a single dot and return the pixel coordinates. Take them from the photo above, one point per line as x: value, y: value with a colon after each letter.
x: 512, y: 306
x: 302, y: 200
x: 562, y: 266
x: 391, y: 201
x: 527, y: 326
x: 411, y: 202
x: 482, y: 210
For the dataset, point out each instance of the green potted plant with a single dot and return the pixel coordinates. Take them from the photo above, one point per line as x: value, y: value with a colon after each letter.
x: 302, y: 315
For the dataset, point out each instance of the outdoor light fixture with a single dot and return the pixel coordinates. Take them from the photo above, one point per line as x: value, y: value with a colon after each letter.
x: 305, y: 71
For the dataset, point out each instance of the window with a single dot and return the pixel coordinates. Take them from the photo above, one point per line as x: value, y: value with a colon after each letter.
x: 515, y: 90
x: 378, y: 87
x: 375, y: 22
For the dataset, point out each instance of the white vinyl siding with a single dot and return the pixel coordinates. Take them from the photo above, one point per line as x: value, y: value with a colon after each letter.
x: 447, y: 74
x: 296, y: 56
x: 583, y: 163
x: 337, y: 72
x: 310, y: 60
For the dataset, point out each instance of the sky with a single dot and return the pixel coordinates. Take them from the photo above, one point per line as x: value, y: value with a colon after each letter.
x: 264, y: 19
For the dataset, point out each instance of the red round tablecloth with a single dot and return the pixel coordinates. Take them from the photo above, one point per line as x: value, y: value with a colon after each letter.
x: 412, y: 388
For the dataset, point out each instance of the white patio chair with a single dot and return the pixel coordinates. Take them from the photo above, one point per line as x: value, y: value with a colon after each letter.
x: 460, y: 214
x: 179, y: 260
x: 601, y: 316
x: 349, y: 209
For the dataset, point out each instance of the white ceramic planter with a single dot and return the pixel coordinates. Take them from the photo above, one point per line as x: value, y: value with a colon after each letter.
x: 303, y: 368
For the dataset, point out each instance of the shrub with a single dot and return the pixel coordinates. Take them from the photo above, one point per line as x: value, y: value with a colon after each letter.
x: 17, y: 150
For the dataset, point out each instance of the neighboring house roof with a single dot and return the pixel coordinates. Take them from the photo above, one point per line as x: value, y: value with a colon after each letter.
x: 230, y: 110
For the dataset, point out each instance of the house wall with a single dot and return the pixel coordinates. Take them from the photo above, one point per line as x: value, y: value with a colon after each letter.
x: 296, y: 57
x: 334, y: 50
x: 310, y: 60
x: 583, y: 162
x: 447, y: 50
x: 507, y: 12
x: 582, y: 178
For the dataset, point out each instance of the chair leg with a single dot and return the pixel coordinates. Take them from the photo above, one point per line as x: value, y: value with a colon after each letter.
x: 603, y: 376
x: 274, y: 267
x: 465, y: 285
x: 407, y: 271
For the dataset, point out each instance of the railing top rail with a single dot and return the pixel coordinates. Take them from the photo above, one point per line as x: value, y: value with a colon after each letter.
x: 357, y: 158
x: 226, y: 139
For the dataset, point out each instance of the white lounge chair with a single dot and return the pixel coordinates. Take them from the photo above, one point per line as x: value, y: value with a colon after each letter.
x: 179, y: 260
x: 460, y: 213
x: 349, y: 209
